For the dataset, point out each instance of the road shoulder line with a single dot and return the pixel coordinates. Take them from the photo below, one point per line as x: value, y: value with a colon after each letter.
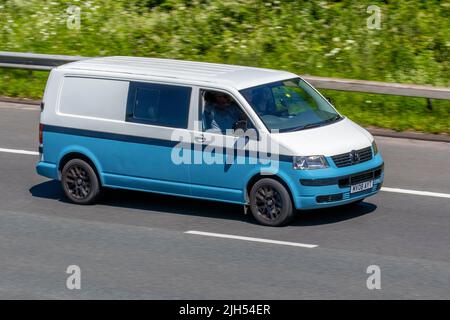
x: 416, y: 192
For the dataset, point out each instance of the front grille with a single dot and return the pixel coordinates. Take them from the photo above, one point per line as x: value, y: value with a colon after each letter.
x: 360, y: 177
x: 352, y: 157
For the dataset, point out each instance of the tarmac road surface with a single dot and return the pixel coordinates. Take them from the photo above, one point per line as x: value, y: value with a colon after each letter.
x: 135, y: 245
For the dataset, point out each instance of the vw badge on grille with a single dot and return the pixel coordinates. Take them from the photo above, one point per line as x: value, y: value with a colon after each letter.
x: 353, y: 156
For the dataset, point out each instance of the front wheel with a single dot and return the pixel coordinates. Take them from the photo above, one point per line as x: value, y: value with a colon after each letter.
x: 270, y: 203
x: 79, y: 181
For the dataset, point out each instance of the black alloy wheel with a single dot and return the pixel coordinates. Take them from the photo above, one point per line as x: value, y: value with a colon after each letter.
x: 80, y: 182
x: 270, y: 203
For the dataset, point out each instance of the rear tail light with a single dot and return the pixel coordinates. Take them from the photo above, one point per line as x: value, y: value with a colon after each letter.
x: 41, y: 129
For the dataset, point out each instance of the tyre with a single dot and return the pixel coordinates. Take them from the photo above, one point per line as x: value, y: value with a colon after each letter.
x: 80, y: 182
x: 270, y: 203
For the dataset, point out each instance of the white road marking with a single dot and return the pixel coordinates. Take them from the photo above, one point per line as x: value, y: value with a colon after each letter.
x: 33, y: 153
x: 229, y: 236
x: 417, y: 192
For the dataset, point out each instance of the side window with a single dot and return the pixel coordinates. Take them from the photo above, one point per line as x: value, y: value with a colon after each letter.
x: 219, y: 112
x: 158, y: 104
x: 146, y: 104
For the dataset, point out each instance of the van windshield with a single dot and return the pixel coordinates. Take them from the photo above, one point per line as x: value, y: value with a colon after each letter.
x: 290, y: 105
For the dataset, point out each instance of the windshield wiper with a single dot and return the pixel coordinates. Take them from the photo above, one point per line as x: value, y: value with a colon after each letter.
x: 314, y: 125
x: 332, y: 119
x: 306, y: 126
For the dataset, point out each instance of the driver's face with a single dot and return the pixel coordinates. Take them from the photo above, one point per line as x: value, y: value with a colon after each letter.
x: 222, y: 99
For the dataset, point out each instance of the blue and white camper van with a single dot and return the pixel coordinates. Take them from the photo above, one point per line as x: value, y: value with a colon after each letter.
x: 262, y: 138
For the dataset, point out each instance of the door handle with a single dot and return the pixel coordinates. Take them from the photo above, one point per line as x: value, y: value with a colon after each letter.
x: 200, y: 139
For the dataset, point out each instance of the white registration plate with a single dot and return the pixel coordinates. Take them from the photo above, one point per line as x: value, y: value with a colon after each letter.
x: 361, y: 186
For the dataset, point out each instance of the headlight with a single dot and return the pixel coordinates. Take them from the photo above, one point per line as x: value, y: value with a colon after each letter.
x: 310, y: 162
x: 374, y: 148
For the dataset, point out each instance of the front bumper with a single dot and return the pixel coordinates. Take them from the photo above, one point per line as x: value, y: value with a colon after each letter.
x: 333, y: 189
x: 338, y: 197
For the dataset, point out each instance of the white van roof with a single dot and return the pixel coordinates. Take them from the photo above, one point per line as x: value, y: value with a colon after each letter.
x: 239, y: 77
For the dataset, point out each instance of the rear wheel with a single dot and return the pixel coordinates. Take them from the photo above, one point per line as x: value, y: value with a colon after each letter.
x: 270, y: 203
x: 80, y: 182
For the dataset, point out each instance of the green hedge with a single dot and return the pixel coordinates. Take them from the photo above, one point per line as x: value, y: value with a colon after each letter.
x: 324, y: 38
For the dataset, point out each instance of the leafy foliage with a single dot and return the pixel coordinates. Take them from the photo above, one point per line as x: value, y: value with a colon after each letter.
x: 324, y: 38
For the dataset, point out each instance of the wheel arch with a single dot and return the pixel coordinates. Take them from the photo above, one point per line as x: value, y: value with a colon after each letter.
x: 83, y: 155
x: 258, y: 176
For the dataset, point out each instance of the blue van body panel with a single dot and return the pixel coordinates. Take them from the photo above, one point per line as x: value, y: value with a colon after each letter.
x: 227, y: 179
x: 47, y: 169
x: 140, y: 164
x: 121, y: 163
